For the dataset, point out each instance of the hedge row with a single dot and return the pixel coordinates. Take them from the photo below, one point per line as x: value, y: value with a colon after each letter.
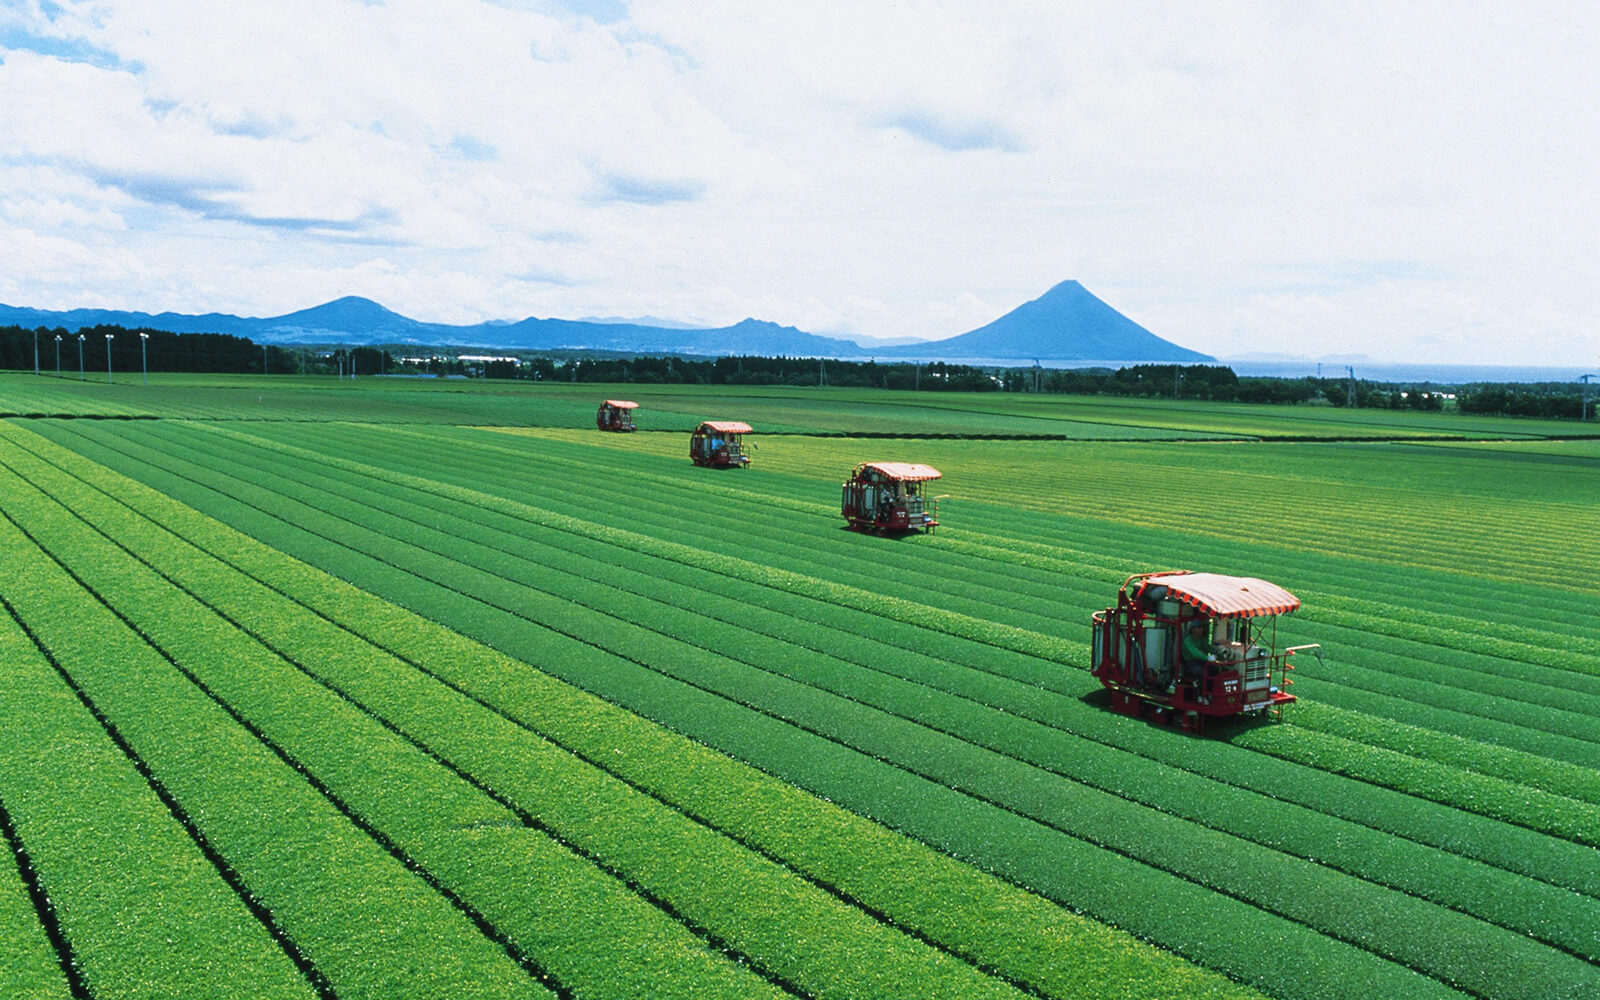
x: 752, y: 904
x: 1066, y: 868
x: 354, y: 910
x: 737, y: 631
x: 1427, y: 938
x: 120, y: 879
x: 1530, y: 807
x: 990, y: 921
x: 1530, y: 859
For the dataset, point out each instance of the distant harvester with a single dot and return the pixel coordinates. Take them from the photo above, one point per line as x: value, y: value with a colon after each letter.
x: 719, y: 444
x: 888, y: 496
x: 616, y: 415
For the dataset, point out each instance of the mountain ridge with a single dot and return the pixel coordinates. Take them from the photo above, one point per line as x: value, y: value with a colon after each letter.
x: 1067, y: 323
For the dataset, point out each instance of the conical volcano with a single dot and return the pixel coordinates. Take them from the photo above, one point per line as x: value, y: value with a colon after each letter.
x: 1067, y: 323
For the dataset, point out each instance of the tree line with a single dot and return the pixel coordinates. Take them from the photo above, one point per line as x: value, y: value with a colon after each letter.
x: 161, y: 350
x: 87, y: 351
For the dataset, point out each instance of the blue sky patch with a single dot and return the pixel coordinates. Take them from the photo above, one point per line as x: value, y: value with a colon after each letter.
x: 17, y: 38
x: 649, y: 191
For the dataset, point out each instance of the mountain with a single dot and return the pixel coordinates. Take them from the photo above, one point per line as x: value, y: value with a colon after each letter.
x: 339, y: 319
x: 76, y: 319
x: 748, y: 336
x: 1067, y: 323
x: 355, y: 320
x: 667, y: 324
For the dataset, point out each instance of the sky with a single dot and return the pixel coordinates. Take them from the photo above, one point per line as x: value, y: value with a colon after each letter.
x: 1405, y: 182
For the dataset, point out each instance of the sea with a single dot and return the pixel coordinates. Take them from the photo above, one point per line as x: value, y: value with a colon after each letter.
x: 1415, y: 372
x: 1418, y: 372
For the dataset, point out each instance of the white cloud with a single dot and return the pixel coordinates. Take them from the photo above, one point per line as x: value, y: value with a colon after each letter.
x: 1407, y: 181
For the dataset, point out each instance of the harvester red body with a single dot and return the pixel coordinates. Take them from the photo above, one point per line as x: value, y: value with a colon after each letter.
x: 719, y: 444
x: 884, y: 497
x: 1188, y: 647
x: 616, y: 415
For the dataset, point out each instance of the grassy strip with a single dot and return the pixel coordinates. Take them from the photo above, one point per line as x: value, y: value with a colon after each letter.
x: 1430, y: 625
x: 31, y: 967
x: 1569, y: 819
x: 1441, y: 942
x: 673, y: 507
x: 1018, y: 933
x: 479, y: 851
x: 1556, y: 815
x: 1387, y: 675
x: 1066, y: 869
x: 145, y: 912
x: 1244, y: 498
x: 1549, y: 913
x: 1503, y: 846
x: 927, y: 550
x: 1552, y: 776
x: 1558, y: 777
x: 1028, y: 591
x: 967, y: 626
x: 1496, y: 896
x: 373, y: 928
x: 1013, y: 530
x: 1533, y: 856
x: 1530, y: 770
x: 1509, y: 641
x: 921, y: 566
x: 515, y: 524
x: 1492, y: 682
x: 1412, y: 665
x: 751, y: 903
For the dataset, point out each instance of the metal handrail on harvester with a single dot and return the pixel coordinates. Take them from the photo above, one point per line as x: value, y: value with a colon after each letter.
x: 1159, y: 572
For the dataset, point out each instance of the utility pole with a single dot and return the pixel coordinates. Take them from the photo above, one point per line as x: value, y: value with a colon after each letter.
x: 144, y: 364
x: 1583, y: 411
x: 81, y: 376
x: 108, y: 357
x: 822, y: 373
x: 1350, y: 393
x: 36, y: 350
x: 58, y: 355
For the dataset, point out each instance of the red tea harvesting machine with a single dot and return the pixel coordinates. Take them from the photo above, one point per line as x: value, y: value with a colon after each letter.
x: 719, y: 444
x: 616, y: 415
x: 1191, y: 646
x: 884, y: 497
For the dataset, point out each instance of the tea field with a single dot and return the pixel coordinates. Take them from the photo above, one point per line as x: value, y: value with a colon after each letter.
x: 404, y: 688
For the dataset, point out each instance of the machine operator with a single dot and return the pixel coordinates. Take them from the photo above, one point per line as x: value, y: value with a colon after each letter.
x: 1197, y: 646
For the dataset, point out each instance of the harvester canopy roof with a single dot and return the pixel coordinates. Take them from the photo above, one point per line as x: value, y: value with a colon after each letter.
x: 622, y: 404
x: 1226, y: 596
x: 905, y: 471
x: 727, y: 426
